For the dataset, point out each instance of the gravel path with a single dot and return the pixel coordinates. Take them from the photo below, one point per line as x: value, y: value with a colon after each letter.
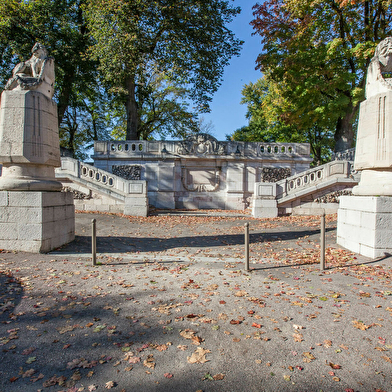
x: 170, y: 308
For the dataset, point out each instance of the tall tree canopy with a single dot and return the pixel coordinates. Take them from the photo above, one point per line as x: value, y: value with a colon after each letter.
x: 159, y: 61
x: 267, y: 110
x: 187, y: 41
x: 318, y: 52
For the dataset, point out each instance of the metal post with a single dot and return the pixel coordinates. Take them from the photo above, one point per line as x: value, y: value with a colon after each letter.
x: 94, y: 241
x: 322, y: 242
x: 247, y: 247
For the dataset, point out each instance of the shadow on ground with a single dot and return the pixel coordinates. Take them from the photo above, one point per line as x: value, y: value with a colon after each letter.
x: 120, y: 244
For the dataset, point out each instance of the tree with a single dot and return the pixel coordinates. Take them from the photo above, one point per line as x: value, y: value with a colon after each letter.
x: 86, y: 119
x: 163, y: 110
x: 319, y: 51
x: 266, y: 112
x: 186, y: 41
x: 60, y: 26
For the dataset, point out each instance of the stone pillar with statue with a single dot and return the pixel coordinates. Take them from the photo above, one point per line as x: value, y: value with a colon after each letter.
x: 35, y: 216
x: 365, y: 219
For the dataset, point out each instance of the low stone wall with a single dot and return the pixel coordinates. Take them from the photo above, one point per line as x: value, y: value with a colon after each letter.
x: 201, y: 172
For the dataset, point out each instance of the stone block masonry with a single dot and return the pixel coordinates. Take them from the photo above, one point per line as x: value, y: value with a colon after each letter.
x: 365, y: 225
x: 36, y: 222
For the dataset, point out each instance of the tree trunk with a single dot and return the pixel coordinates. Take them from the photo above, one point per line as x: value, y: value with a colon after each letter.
x: 344, y: 134
x: 64, y: 99
x: 131, y: 110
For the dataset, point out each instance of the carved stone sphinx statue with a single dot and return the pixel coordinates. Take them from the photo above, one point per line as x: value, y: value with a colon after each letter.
x: 29, y: 139
x: 373, y: 155
x: 35, y: 216
x: 37, y: 73
x: 379, y: 67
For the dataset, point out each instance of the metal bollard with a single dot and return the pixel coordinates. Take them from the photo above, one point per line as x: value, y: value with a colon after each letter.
x: 94, y: 241
x: 247, y: 247
x: 322, y: 242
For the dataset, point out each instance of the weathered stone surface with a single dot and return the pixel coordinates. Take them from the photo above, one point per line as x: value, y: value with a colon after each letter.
x: 29, y: 141
x: 35, y: 74
x: 36, y: 221
x: 364, y: 225
x: 202, y: 172
x: 374, y: 137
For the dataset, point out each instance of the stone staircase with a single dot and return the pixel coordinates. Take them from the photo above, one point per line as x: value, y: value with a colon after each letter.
x: 98, y: 190
x: 304, y: 193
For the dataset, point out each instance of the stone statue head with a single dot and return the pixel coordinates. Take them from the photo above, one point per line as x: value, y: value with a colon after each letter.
x: 384, y: 54
x: 39, y: 50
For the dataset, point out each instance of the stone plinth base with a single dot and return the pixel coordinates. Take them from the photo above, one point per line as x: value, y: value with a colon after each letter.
x: 36, y: 222
x: 365, y: 225
x: 264, y: 208
x: 264, y: 204
x: 136, y: 206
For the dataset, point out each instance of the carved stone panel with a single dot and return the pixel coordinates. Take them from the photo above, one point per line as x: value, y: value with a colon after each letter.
x: 200, y: 180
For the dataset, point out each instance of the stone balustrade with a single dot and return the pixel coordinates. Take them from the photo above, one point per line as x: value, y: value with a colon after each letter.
x: 161, y: 149
x: 302, y: 188
x: 311, y: 177
x: 346, y: 155
x: 130, y: 193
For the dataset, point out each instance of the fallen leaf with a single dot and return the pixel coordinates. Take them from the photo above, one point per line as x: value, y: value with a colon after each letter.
x: 149, y: 362
x: 109, y: 385
x: 308, y: 357
x: 334, y: 365
x: 31, y: 360
x: 168, y: 375
x: 199, y: 356
x: 297, y: 337
x: 241, y: 293
x: 327, y: 343
x: 219, y: 376
x: 360, y: 325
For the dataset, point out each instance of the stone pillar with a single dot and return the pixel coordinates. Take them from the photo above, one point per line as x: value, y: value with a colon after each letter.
x: 29, y: 142
x: 365, y: 220
x: 34, y: 215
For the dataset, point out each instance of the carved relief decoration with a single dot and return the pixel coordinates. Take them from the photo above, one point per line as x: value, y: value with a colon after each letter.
x: 129, y: 172
x: 201, y: 144
x: 274, y: 174
x: 196, y: 185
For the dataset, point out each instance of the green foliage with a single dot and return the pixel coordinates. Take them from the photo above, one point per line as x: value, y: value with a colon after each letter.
x: 187, y: 41
x: 318, y: 51
x: 267, y: 113
x: 155, y: 59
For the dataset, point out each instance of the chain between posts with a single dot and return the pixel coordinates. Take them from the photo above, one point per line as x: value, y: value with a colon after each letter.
x: 94, y: 241
x: 247, y: 247
x: 322, y: 242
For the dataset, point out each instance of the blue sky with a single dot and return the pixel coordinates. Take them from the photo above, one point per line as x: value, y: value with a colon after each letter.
x: 227, y: 114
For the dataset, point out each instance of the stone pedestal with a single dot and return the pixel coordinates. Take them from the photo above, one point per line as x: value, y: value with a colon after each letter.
x: 374, y: 144
x: 29, y: 142
x: 365, y: 225
x: 264, y: 204
x: 36, y: 222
